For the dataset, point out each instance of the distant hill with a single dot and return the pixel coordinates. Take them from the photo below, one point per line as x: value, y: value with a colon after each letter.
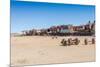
x: 15, y: 34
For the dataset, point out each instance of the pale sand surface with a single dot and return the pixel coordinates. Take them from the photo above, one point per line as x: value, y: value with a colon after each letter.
x: 32, y: 50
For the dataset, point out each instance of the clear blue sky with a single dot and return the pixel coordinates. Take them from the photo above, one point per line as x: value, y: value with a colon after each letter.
x: 28, y: 15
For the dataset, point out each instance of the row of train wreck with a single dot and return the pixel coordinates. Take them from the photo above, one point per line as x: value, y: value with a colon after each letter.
x: 63, y: 30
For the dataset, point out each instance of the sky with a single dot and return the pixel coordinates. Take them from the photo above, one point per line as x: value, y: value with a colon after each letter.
x: 29, y: 15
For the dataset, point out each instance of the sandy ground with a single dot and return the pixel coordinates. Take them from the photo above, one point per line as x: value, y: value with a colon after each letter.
x: 32, y: 50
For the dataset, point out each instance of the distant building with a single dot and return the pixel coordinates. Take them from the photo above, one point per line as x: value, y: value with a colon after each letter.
x: 87, y: 29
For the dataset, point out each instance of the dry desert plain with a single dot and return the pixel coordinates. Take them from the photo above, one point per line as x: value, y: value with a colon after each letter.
x: 33, y: 50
